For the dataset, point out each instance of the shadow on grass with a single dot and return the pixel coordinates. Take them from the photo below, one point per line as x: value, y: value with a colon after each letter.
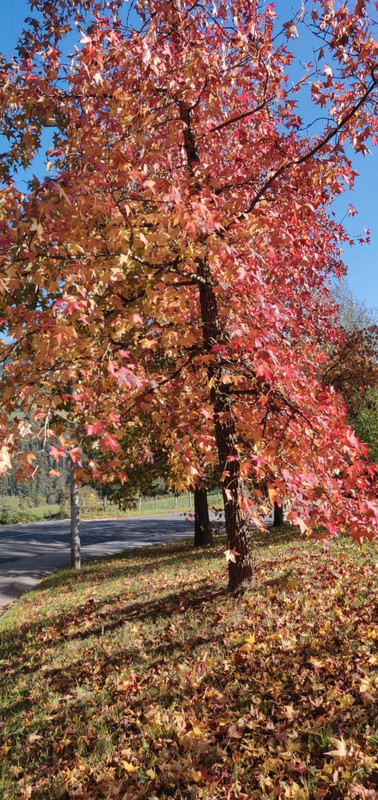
x: 167, y: 553
x: 101, y: 569
x: 335, y: 721
x: 63, y: 679
x: 106, y: 614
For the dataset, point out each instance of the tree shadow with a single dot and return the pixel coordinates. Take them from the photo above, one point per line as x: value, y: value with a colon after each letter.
x: 76, y: 673
x: 96, y: 570
x: 166, y: 553
x: 101, y: 610
x: 64, y: 679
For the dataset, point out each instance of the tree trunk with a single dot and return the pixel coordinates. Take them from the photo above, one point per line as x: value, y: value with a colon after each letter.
x: 75, y: 522
x: 278, y: 515
x: 202, y: 529
x: 237, y: 529
x: 238, y: 534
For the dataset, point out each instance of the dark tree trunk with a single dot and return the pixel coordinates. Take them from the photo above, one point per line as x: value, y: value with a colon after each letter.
x: 237, y: 529
x: 202, y: 529
x: 278, y: 515
x: 75, y: 523
x: 238, y: 534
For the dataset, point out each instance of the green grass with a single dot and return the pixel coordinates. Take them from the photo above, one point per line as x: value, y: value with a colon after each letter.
x: 91, y: 507
x: 162, y: 504
x: 13, y: 512
x: 141, y: 678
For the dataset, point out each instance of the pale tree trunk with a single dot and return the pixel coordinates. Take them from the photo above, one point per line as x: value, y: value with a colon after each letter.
x: 202, y: 529
x: 278, y: 515
x: 75, y: 522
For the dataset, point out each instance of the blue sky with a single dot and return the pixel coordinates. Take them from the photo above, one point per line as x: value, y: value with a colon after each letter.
x: 362, y: 261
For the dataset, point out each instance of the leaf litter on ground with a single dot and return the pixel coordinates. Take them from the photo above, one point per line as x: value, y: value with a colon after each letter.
x: 141, y: 678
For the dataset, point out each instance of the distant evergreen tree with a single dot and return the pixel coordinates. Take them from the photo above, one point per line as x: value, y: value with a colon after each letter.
x: 44, y: 488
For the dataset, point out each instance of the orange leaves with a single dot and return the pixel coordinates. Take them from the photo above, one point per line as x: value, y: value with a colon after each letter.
x: 75, y: 455
x: 248, y: 644
x: 274, y: 496
x: 293, y: 517
x: 186, y: 230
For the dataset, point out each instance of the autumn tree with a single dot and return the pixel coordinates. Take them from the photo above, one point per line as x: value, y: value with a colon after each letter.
x: 353, y: 356
x: 175, y: 261
x: 353, y: 367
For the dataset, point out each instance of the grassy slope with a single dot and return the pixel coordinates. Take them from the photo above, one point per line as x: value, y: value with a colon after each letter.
x: 141, y: 678
x: 11, y: 512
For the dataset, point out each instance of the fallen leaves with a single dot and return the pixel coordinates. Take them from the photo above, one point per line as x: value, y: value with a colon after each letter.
x: 340, y: 749
x: 137, y: 679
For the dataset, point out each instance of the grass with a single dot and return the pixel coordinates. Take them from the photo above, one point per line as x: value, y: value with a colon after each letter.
x: 13, y: 512
x: 141, y: 678
x: 91, y: 507
x: 161, y: 504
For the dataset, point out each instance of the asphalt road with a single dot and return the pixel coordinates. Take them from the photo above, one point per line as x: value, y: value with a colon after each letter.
x: 27, y: 552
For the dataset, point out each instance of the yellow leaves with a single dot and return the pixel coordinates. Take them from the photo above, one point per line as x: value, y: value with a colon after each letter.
x: 153, y: 717
x: 151, y: 774
x: 316, y: 662
x: 195, y: 775
x: 75, y: 248
x: 129, y: 767
x: 270, y: 765
x: 368, y: 683
x: 346, y: 700
x: 196, y: 739
x: 339, y: 750
x: 249, y: 644
x: 149, y: 344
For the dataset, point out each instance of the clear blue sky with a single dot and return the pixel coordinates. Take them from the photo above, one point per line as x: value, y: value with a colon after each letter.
x: 362, y: 261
